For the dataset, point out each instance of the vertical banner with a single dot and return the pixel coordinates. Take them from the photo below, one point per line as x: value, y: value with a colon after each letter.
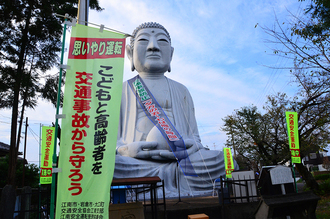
x: 229, y: 163
x: 91, y: 106
x: 47, y: 148
x: 292, y: 125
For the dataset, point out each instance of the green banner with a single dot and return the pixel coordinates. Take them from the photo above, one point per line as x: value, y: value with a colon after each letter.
x: 47, y: 148
x: 229, y: 163
x: 91, y: 106
x: 292, y: 125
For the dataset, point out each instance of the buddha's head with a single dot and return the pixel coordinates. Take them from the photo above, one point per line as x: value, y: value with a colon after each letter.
x: 150, y: 50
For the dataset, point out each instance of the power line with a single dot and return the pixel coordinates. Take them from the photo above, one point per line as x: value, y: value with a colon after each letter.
x: 275, y: 72
x: 5, y: 122
x: 8, y: 117
x: 35, y: 136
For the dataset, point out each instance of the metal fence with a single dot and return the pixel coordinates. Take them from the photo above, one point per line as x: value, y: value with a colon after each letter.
x: 238, y: 191
x: 32, y: 203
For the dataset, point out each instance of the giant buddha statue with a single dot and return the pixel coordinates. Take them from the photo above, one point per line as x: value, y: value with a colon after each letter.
x: 144, y: 146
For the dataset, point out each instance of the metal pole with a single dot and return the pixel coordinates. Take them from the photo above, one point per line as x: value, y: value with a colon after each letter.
x: 52, y: 196
x: 83, y: 7
x: 232, y: 139
x: 39, y: 207
x: 294, y: 178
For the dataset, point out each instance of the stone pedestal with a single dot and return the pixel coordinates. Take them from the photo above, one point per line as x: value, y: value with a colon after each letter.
x: 298, y: 205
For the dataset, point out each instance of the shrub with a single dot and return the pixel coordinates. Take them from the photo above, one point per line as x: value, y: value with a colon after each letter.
x: 322, y: 177
x: 324, y: 188
x: 31, y: 173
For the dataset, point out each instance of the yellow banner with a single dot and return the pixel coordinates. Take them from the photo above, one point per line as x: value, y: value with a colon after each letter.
x: 292, y: 125
x: 229, y: 163
x: 91, y: 105
x: 47, y: 149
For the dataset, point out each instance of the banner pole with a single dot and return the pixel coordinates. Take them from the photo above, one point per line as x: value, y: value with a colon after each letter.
x: 52, y: 197
x: 294, y: 177
x: 39, y: 189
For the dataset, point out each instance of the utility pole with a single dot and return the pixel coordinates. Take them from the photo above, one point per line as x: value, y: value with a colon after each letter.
x: 25, y: 138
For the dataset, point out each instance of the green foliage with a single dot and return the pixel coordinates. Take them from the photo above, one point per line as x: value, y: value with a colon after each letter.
x: 319, y: 11
x: 304, y: 41
x: 250, y: 133
x: 244, y: 163
x: 30, y: 42
x: 31, y: 173
x: 322, y: 177
x: 324, y: 188
x: 323, y: 210
x: 262, y: 137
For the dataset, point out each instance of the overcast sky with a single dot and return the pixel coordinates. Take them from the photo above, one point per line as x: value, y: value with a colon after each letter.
x: 220, y: 55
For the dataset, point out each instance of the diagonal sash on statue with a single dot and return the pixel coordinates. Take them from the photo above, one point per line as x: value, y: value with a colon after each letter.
x: 158, y: 117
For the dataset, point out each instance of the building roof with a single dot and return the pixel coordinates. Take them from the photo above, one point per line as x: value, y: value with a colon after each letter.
x: 4, y: 149
x: 314, y: 158
x: 4, y: 145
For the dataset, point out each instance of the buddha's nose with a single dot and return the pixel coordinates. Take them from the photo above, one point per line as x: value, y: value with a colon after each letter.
x: 153, y: 45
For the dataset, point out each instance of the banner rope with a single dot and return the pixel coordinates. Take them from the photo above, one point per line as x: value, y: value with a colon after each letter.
x: 208, y: 172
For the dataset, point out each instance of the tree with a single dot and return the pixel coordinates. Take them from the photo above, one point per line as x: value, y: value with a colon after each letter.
x: 313, y: 121
x: 31, y: 173
x: 305, y: 42
x: 320, y: 17
x: 248, y: 134
x: 326, y: 163
x: 263, y: 137
x: 257, y: 137
x: 30, y: 41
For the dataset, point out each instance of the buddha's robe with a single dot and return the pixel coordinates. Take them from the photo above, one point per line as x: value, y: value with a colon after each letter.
x: 208, y: 164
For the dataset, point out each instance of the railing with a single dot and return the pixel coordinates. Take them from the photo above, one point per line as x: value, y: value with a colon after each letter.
x: 145, y: 190
x: 238, y: 191
x: 32, y: 203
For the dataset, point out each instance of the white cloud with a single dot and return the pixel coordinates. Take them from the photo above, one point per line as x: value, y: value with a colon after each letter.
x: 217, y: 51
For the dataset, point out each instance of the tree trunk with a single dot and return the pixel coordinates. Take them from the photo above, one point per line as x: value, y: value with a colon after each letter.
x: 7, y: 204
x: 17, y: 86
x: 8, y: 201
x: 307, y: 176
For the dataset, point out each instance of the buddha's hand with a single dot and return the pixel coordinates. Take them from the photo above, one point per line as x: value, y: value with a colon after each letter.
x: 191, y: 146
x: 138, y: 149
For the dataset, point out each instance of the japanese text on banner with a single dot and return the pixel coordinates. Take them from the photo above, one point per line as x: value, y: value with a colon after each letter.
x: 47, y: 148
x: 89, y: 132
x: 292, y: 125
x: 229, y: 162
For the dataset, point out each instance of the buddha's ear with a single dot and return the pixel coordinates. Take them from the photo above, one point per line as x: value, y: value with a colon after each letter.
x: 129, y: 52
x: 172, y: 50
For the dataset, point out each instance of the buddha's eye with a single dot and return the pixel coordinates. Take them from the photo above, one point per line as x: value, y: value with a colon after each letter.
x: 142, y: 39
x: 163, y: 40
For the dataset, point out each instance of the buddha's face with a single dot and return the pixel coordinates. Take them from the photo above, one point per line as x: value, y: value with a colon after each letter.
x: 152, y: 51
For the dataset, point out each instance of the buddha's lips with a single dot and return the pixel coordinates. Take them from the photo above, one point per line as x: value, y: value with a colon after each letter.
x: 153, y: 56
